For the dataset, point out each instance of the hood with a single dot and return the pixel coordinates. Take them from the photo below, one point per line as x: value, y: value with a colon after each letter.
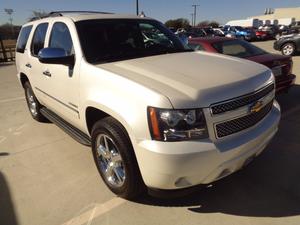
x: 194, y: 79
x: 288, y: 36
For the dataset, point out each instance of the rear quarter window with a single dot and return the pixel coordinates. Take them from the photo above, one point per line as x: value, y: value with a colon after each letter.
x: 23, y: 38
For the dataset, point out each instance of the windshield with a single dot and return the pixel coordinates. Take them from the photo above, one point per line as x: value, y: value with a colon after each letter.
x: 239, y: 28
x: 238, y: 48
x: 120, y: 39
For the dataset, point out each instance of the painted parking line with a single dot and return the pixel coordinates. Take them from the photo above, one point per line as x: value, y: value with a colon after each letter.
x: 11, y: 99
x: 86, y: 218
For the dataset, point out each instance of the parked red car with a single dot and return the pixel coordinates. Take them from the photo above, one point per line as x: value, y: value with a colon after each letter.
x: 280, y: 65
x: 262, y: 35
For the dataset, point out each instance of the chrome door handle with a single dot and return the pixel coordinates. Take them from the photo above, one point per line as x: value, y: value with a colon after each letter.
x: 47, y: 73
x: 28, y: 65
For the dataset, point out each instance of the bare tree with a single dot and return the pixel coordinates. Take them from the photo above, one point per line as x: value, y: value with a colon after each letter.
x: 37, y: 15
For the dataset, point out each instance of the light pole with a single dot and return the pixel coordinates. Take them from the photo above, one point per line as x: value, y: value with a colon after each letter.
x: 10, y: 12
x: 192, y: 14
x: 137, y: 7
x: 195, y: 13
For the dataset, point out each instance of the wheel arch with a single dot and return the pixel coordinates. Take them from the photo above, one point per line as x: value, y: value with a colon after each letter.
x: 95, y: 113
x: 287, y: 42
x: 23, y: 79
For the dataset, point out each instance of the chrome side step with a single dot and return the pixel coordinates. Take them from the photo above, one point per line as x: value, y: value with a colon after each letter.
x: 74, y: 132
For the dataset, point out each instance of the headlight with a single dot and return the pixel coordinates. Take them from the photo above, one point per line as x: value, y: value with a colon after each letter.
x: 177, y: 125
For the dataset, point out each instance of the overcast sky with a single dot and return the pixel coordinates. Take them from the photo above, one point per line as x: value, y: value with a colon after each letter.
x: 218, y: 10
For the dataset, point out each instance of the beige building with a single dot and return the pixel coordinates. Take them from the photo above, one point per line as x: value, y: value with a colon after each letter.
x: 281, y: 13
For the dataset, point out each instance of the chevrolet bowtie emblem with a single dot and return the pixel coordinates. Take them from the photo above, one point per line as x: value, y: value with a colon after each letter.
x: 256, y: 107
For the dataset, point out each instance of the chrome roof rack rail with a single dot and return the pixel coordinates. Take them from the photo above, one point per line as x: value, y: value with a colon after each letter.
x: 61, y: 13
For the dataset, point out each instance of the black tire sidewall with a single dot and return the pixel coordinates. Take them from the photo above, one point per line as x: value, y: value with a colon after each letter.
x: 129, y: 189
x: 26, y: 87
x: 38, y: 117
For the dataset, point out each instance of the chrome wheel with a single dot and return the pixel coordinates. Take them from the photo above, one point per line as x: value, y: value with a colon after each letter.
x: 31, y: 102
x: 110, y: 161
x: 288, y: 49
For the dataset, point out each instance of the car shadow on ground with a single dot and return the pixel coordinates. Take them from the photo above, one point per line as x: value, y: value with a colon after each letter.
x: 268, y: 187
x: 7, y: 211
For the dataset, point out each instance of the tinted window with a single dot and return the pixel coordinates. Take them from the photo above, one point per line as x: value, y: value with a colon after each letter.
x: 196, y: 47
x: 112, y: 40
x: 238, y: 48
x: 38, y: 40
x: 61, y: 38
x: 23, y: 37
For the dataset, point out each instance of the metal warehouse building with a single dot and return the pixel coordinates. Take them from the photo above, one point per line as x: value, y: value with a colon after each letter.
x: 280, y: 13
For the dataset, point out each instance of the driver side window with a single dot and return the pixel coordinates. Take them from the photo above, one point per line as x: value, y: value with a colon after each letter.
x: 61, y: 38
x: 153, y: 35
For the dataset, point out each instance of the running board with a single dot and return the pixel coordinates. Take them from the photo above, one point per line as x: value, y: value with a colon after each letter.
x: 75, y: 133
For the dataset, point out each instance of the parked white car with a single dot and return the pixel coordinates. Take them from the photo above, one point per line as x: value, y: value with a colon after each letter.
x: 156, y: 114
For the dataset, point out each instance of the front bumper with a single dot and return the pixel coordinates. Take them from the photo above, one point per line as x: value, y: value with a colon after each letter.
x: 276, y: 46
x: 176, y: 165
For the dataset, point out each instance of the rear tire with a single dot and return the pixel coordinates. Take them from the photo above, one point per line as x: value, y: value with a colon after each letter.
x: 288, y: 49
x: 33, y: 104
x: 115, y: 159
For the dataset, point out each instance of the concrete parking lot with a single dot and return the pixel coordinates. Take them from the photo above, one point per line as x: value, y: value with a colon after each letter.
x: 47, y: 178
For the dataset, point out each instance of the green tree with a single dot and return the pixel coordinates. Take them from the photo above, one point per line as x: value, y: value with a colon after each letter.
x: 207, y: 23
x: 178, y: 23
x: 214, y: 24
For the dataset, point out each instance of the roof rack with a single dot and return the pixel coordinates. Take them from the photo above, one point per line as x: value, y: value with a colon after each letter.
x: 61, y: 13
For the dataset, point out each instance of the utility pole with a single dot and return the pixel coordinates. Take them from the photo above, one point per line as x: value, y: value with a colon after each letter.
x: 10, y: 12
x: 195, y: 14
x: 137, y: 7
x: 192, y: 14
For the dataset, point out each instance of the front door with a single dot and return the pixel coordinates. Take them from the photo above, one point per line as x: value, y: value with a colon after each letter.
x: 61, y: 82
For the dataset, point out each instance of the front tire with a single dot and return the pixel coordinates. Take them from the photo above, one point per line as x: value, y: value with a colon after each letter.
x: 288, y: 49
x: 115, y: 159
x: 33, y: 104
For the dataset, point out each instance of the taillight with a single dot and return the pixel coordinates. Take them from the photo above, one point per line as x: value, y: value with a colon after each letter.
x: 291, y: 67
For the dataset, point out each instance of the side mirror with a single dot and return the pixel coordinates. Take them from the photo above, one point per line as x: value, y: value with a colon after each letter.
x: 55, y: 56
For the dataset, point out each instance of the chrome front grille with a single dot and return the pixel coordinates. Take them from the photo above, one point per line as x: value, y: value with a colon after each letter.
x: 238, y: 114
x: 241, y: 101
x: 242, y: 123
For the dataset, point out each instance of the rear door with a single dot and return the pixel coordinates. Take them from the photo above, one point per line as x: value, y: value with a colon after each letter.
x: 33, y: 65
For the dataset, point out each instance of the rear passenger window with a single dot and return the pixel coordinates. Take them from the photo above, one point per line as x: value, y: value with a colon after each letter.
x: 38, y: 39
x: 23, y: 37
x: 61, y: 38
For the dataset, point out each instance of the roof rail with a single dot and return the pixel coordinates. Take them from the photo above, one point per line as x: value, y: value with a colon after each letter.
x: 61, y: 13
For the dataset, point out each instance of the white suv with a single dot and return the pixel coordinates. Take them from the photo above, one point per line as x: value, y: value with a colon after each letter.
x: 156, y: 114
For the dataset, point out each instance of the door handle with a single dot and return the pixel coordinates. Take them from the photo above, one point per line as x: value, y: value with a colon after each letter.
x: 28, y: 65
x: 47, y: 73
